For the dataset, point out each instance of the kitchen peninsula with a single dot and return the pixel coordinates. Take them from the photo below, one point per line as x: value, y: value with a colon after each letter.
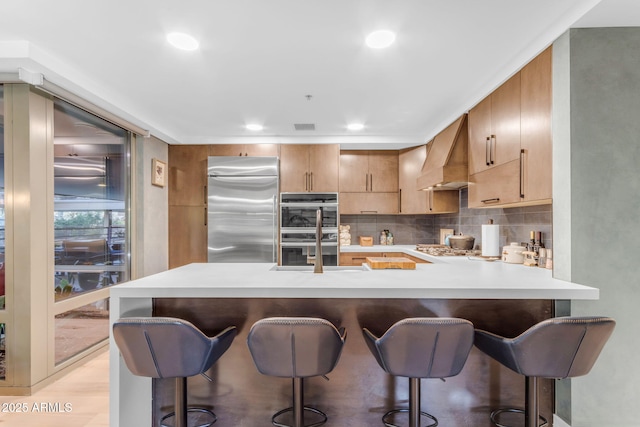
x: 505, y: 298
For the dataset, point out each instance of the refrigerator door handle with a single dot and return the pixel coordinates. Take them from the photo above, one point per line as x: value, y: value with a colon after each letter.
x: 274, y: 254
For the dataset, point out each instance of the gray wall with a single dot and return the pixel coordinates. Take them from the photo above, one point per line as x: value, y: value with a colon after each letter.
x: 600, y: 212
x: 152, y: 210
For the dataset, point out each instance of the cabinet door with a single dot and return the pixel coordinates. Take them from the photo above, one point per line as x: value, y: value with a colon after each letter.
x: 383, y: 171
x: 226, y: 150
x: 187, y: 235
x: 479, y: 134
x: 505, y: 122
x: 324, y: 167
x: 499, y: 185
x: 354, y: 171
x: 261, y: 150
x: 257, y: 150
x: 294, y: 168
x: 536, y: 127
x: 412, y: 200
x: 443, y: 201
x: 368, y: 203
x: 188, y: 175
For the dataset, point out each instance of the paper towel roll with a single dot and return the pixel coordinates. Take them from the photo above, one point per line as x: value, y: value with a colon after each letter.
x: 490, y: 240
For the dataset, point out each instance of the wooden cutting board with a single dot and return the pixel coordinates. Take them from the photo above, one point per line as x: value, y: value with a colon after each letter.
x: 391, y: 262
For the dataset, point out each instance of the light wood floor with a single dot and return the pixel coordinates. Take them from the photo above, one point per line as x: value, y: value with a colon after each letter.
x: 85, y: 392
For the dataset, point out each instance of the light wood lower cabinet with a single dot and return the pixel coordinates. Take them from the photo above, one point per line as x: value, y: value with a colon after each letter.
x: 187, y: 235
x: 359, y: 258
x: 368, y: 203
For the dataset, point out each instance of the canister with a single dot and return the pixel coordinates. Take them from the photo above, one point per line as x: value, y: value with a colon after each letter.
x: 512, y: 254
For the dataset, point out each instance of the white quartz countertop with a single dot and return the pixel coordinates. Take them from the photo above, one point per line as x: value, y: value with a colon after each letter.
x: 444, y: 278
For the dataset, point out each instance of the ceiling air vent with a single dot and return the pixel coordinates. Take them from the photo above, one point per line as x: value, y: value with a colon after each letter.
x: 304, y: 126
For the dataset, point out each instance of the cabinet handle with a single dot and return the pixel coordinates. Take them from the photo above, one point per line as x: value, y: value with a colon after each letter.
x: 206, y: 198
x: 492, y: 144
x: 366, y: 182
x: 371, y: 181
x: 311, y: 181
x: 494, y: 200
x: 364, y: 212
x: 400, y: 200
x: 486, y: 151
x: 306, y: 181
x: 522, y: 173
x: 430, y: 200
x: 205, y: 216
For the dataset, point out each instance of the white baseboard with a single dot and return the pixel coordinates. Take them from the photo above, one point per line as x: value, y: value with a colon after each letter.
x: 559, y: 422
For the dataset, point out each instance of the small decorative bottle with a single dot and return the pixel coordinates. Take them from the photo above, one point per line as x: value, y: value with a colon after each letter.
x: 383, y: 238
x: 389, y: 238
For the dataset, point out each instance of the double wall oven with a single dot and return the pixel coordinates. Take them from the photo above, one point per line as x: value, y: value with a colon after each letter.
x: 298, y: 227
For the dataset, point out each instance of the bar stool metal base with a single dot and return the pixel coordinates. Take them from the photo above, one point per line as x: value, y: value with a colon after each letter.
x: 191, y: 410
x: 495, y: 414
x: 306, y: 408
x: 388, y: 423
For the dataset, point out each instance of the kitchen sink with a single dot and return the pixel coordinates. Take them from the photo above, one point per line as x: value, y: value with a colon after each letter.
x: 325, y: 269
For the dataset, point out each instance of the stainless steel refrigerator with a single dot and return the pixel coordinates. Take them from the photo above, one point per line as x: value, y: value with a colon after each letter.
x: 242, y: 216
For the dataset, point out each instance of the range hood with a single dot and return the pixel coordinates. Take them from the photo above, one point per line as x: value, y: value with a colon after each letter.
x: 446, y: 166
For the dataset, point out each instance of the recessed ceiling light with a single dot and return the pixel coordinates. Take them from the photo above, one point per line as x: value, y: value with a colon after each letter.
x: 182, y: 41
x: 355, y: 126
x: 254, y: 127
x: 380, y: 39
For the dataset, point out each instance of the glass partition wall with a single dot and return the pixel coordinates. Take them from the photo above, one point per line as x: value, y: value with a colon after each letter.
x: 90, y: 168
x: 64, y: 195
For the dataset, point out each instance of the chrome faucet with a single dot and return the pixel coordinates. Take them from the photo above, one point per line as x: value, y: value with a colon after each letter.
x: 317, y: 259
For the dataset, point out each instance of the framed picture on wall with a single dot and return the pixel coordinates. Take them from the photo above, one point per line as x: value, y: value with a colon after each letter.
x: 158, y: 172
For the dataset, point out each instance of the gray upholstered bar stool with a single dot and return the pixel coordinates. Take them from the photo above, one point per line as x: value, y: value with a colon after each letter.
x: 421, y: 347
x: 166, y: 347
x: 562, y: 347
x: 296, y: 348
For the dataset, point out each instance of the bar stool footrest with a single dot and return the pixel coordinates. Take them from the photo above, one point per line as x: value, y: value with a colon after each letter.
x: 306, y: 408
x: 191, y: 410
x: 395, y: 411
x: 497, y: 412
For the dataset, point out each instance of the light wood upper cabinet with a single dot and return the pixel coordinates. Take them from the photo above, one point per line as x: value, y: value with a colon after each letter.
x: 374, y: 171
x: 369, y: 203
x: 256, y: 150
x: 369, y: 182
x: 521, y: 173
x: 309, y: 168
x: 412, y: 200
x: 494, y: 128
x: 536, y: 141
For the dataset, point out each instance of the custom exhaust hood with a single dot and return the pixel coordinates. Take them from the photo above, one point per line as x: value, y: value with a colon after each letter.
x: 446, y: 166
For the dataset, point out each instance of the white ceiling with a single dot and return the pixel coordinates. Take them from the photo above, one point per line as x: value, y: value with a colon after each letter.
x: 259, y: 59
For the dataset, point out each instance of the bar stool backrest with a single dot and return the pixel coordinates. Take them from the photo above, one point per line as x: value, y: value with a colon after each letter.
x: 166, y: 347
x: 295, y: 347
x: 423, y: 347
x: 561, y: 347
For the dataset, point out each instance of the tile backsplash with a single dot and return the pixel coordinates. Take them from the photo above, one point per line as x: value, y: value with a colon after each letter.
x: 515, y: 224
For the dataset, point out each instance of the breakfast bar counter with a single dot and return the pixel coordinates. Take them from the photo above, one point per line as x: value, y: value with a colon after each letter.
x: 503, y: 298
